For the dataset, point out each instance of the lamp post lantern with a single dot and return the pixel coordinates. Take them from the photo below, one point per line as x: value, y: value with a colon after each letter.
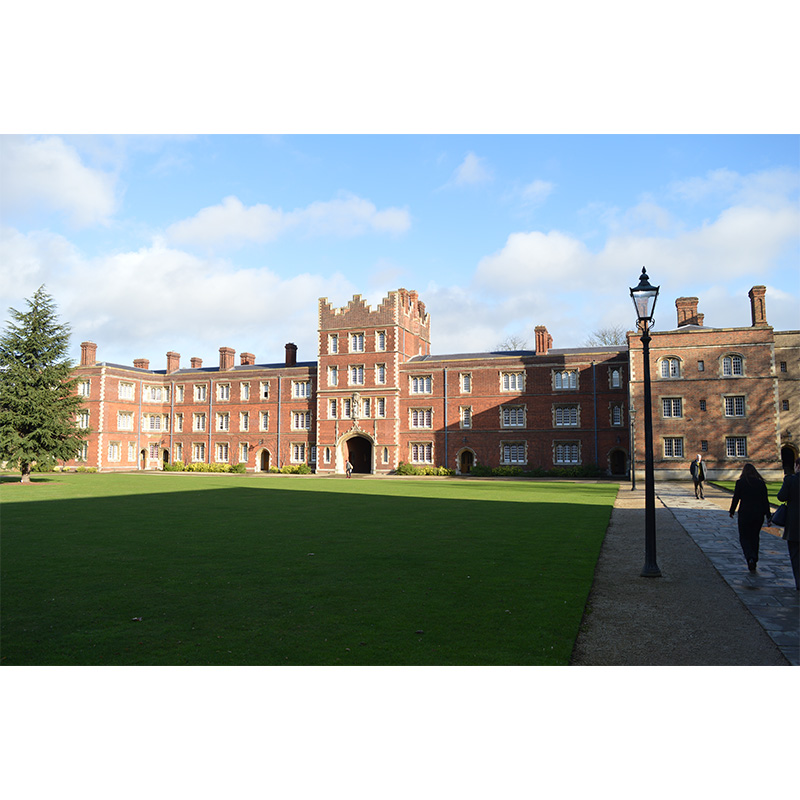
x: 644, y: 300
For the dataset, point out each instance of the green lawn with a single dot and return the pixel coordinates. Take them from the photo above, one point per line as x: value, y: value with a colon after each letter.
x: 268, y: 570
x: 773, y: 487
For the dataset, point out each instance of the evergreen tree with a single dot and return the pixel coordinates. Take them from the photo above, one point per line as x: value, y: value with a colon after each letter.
x: 38, y: 399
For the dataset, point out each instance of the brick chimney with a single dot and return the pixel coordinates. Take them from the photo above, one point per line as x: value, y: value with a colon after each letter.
x: 758, y: 305
x: 88, y: 354
x: 141, y: 363
x: 197, y: 363
x: 247, y: 359
x: 687, y: 312
x: 291, y: 354
x: 544, y: 341
x: 173, y: 361
x: 227, y: 356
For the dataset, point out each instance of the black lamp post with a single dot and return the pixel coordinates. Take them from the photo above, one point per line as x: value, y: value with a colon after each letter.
x: 632, y: 412
x: 644, y: 300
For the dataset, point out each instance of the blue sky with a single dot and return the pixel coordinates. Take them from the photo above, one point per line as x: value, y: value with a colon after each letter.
x: 190, y: 243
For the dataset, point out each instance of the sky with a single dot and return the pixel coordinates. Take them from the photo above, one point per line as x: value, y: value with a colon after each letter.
x: 152, y: 243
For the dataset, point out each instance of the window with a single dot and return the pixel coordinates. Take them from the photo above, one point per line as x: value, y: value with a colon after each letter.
x: 421, y: 418
x: 380, y: 373
x: 154, y: 422
x: 113, y: 451
x: 784, y: 405
x: 83, y: 453
x: 125, y: 421
x: 783, y: 366
x: 701, y: 366
x: 156, y: 394
x: 671, y: 407
x: 380, y: 406
x: 513, y: 381
x: 333, y: 376
x: 333, y: 343
x: 178, y: 451
x: 244, y: 452
x: 313, y: 454
x: 673, y: 447
x: 357, y: 375
x: 465, y: 379
x: 704, y: 446
x: 566, y: 453
x: 568, y: 379
x: 244, y: 420
x: 616, y: 379
x: 244, y: 391
x: 179, y: 392
x: 263, y: 420
x: 670, y: 368
x: 223, y: 422
x: 301, y: 389
x: 331, y: 409
x: 222, y: 452
x: 422, y: 453
x: 83, y: 419
x: 734, y: 406
x: 178, y: 422
x: 513, y: 416
x: 566, y: 416
x: 199, y: 451
x: 732, y: 366
x: 736, y: 447
x: 84, y: 388
x: 198, y: 422
x: 385, y: 457
x: 380, y: 340
x: 513, y: 452
x: 356, y: 342
x: 264, y: 390
x: 127, y: 391
x: 299, y: 453
x: 347, y: 408
x: 223, y: 391
x: 200, y: 392
x: 421, y: 384
x: 465, y: 413
x: 366, y: 405
x: 131, y: 451
x: 702, y: 405
x: 301, y: 420
x: 152, y: 451
x: 616, y: 415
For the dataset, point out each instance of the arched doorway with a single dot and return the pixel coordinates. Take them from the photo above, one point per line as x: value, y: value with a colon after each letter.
x: 466, y: 459
x: 788, y: 456
x: 143, y: 459
x: 164, y: 457
x: 262, y: 461
x: 358, y: 451
x: 618, y: 462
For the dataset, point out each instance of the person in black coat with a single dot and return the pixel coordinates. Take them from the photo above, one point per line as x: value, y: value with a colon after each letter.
x: 750, y: 495
x: 790, y: 494
x: 698, y: 473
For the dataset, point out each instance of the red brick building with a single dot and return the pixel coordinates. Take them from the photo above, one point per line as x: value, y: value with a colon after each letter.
x: 377, y: 396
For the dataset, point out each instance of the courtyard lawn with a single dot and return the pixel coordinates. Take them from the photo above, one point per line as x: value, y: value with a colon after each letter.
x: 177, y: 569
x: 773, y: 487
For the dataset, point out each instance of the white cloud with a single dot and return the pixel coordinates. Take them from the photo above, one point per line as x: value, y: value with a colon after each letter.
x: 536, y: 192
x: 50, y: 173
x: 770, y: 188
x: 471, y: 170
x: 234, y: 224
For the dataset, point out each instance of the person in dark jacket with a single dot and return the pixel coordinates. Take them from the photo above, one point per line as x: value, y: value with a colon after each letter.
x: 790, y: 494
x: 698, y: 472
x: 750, y: 495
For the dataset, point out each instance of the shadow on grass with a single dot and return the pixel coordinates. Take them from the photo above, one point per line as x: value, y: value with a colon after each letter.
x: 241, y: 575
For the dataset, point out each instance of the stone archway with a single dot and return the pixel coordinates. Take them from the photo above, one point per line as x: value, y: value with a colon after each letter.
x: 358, y: 451
x: 262, y: 460
x: 465, y: 461
x: 788, y: 456
x: 618, y: 462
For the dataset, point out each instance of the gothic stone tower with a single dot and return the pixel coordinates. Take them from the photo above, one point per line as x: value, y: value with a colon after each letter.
x: 359, y: 379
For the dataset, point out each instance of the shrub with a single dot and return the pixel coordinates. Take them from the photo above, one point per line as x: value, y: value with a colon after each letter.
x: 240, y: 469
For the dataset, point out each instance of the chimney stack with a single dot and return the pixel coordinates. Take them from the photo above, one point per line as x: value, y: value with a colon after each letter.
x: 758, y: 305
x: 197, y: 363
x: 88, y: 354
x: 291, y: 354
x: 544, y: 341
x: 247, y: 359
x: 226, y: 358
x: 687, y: 312
x: 141, y: 363
x: 173, y: 362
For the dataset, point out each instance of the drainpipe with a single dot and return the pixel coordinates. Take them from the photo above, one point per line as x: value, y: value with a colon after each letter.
x: 446, y: 457
x: 139, y: 429
x: 594, y: 398
x: 210, y: 417
x: 280, y: 379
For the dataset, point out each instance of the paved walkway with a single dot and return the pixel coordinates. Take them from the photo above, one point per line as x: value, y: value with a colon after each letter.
x: 707, y: 609
x: 768, y: 593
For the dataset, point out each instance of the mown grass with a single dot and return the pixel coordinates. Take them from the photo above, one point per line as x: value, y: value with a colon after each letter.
x: 225, y: 570
x: 773, y: 487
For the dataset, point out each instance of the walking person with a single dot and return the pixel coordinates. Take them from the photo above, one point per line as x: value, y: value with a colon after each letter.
x: 698, y: 471
x: 790, y: 494
x: 750, y: 494
x: 348, y: 468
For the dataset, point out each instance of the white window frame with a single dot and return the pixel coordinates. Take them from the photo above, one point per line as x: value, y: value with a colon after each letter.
x: 732, y: 366
x: 301, y: 390
x: 380, y: 374
x: 421, y: 418
x: 565, y: 379
x: 244, y: 452
x: 355, y: 375
x: 263, y: 420
x: 566, y: 416
x: 85, y: 388
x: 127, y: 391
x: 223, y: 392
x: 333, y: 343
x: 465, y: 416
x: 421, y: 452
x: 223, y: 421
x: 198, y: 452
x: 421, y: 384
x: 298, y: 450
x: 567, y: 453
x: 380, y: 341
x: 670, y: 367
x: 263, y: 390
x: 380, y: 407
x: 221, y: 452
x: 513, y: 453
x: 617, y: 416
x: 512, y: 416
x: 301, y: 420
x: 736, y: 446
x: 356, y: 342
x: 244, y: 420
x: 200, y: 392
x: 114, y: 451
x: 465, y: 382
x: 673, y: 447
x: 244, y: 391
x: 83, y: 419
x: 672, y: 408
x: 198, y: 421
x: 333, y: 376
x: 178, y: 423
x: 512, y: 381
x: 734, y: 406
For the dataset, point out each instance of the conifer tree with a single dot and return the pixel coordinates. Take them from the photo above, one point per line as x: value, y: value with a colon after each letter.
x: 38, y: 401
